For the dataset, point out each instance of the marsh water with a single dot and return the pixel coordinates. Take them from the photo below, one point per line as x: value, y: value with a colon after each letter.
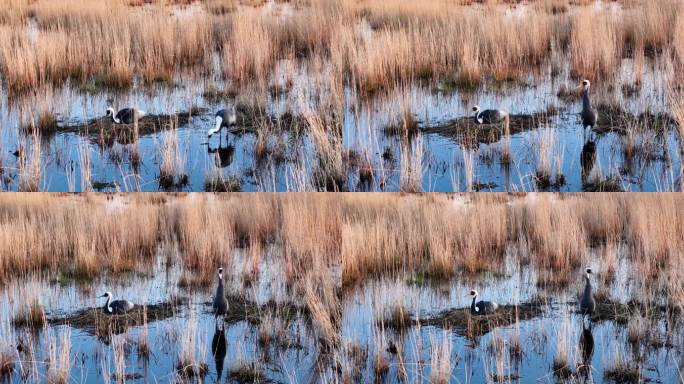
x: 508, y: 351
x: 233, y: 352
x: 632, y: 151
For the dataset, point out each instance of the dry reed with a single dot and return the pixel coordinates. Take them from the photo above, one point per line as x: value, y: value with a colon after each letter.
x: 373, y: 45
x: 440, y: 236
x: 437, y: 235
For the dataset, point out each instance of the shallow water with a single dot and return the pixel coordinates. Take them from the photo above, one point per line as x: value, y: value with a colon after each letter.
x: 435, y: 157
x: 292, y: 355
x: 558, y: 330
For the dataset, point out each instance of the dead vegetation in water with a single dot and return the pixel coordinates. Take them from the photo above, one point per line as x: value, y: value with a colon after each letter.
x: 218, y: 182
x: 106, y: 133
x: 6, y: 364
x: 247, y: 373
x: 623, y: 313
x: 469, y: 133
x: 622, y: 373
x: 128, y: 133
x: 397, y: 319
x: 243, y: 309
x: 98, y: 322
x: 32, y: 316
x: 612, y: 118
x: 461, y: 321
x: 602, y: 183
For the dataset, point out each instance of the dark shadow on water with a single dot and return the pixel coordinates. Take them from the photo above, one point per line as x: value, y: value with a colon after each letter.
x: 223, y: 156
x: 218, y: 350
x: 586, y: 346
x: 588, y: 159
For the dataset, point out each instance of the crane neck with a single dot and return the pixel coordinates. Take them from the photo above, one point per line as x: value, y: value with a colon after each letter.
x: 586, y: 102
x: 220, y: 283
x: 473, y: 307
x: 108, y: 305
x: 477, y: 116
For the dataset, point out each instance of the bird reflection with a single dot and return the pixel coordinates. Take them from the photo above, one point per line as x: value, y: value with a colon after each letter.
x: 218, y: 350
x: 588, y: 159
x: 586, y: 346
x: 223, y: 155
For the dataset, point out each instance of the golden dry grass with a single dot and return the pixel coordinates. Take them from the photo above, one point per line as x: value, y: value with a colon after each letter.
x: 366, y: 234
x: 84, y: 235
x: 371, y: 44
x: 441, y: 237
x: 324, y: 241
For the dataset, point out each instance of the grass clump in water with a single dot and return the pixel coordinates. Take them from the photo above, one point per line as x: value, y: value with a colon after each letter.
x: 603, y: 184
x: 622, y: 373
x: 398, y: 318
x: 32, y: 316
x: 220, y: 183
x: 47, y: 122
x: 6, y: 364
x: 246, y: 373
x: 406, y: 125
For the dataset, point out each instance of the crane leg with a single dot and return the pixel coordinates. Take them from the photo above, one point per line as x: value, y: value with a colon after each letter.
x: 218, y: 324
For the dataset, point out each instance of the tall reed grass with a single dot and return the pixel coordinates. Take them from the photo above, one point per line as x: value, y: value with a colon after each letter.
x: 85, y: 235
x: 373, y: 44
x: 444, y: 235
x: 365, y: 234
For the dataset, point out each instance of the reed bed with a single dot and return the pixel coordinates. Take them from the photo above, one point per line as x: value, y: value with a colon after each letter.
x: 83, y: 236
x: 371, y: 44
x: 436, y: 236
x: 440, y: 236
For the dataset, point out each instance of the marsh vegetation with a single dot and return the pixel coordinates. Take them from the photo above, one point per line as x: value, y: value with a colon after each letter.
x: 409, y: 263
x: 339, y: 95
x: 341, y: 288
x: 161, y: 252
